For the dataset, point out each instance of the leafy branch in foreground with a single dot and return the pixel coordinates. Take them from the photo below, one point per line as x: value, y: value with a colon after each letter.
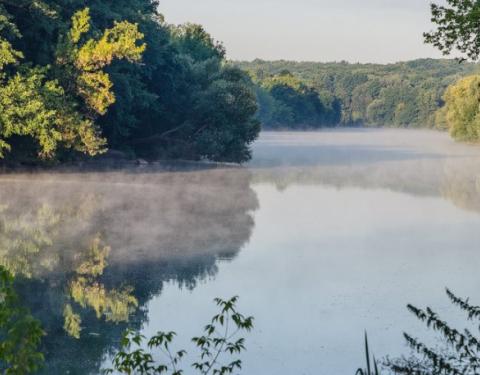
x: 460, y: 354
x: 219, y: 339
x: 458, y: 22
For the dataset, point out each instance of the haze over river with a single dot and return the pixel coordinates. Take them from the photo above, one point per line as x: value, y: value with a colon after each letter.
x: 323, y: 235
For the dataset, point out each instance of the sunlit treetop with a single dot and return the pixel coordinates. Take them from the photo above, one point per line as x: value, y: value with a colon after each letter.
x: 89, y: 58
x: 57, y: 105
x: 461, y: 111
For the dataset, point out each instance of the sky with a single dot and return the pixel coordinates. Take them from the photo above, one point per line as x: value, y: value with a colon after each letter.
x: 380, y: 31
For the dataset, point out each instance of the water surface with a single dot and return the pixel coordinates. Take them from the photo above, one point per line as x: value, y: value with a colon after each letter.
x: 323, y: 235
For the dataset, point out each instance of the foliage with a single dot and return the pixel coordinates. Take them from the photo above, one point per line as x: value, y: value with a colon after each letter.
x: 116, y: 75
x: 88, y: 60
x: 461, y: 113
x: 218, y: 340
x: 461, y: 351
x: 20, y: 333
x: 285, y: 101
x: 42, y: 102
x: 193, y: 40
x: 406, y: 94
x: 458, y: 22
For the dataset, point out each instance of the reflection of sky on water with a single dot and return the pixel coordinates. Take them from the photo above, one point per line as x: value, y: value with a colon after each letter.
x: 323, y: 265
x: 343, y: 245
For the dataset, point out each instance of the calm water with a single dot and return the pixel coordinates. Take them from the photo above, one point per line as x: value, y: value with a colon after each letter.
x: 323, y: 235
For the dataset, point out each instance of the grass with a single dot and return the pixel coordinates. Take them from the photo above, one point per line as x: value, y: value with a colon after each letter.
x: 369, y: 362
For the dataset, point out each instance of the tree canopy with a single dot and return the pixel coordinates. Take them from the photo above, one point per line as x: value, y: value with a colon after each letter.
x: 116, y: 76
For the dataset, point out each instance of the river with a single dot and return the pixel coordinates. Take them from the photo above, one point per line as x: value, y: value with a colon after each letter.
x: 323, y: 235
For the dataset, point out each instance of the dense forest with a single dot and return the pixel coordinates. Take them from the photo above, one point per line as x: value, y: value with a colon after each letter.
x: 406, y: 94
x: 286, y: 101
x: 78, y: 80
x: 115, y: 76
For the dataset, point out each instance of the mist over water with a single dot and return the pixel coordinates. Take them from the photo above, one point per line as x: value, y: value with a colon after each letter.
x: 417, y: 162
x: 323, y: 235
x: 105, y: 243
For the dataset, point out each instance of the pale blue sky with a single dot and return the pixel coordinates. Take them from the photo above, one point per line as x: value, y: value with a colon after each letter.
x: 317, y: 30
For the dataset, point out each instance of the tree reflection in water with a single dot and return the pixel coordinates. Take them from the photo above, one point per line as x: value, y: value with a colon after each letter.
x: 89, y: 250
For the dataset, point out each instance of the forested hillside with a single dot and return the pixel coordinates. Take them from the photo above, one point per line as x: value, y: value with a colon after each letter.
x: 406, y: 94
x: 78, y: 80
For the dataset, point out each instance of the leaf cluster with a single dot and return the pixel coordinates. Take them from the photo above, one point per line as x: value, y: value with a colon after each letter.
x: 219, y: 339
x: 460, y: 354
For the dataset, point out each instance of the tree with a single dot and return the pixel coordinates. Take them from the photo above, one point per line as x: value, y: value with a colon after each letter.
x: 461, y: 112
x: 91, y: 91
x: 193, y: 40
x: 458, y: 25
x: 286, y: 101
x: 56, y: 105
x: 208, y: 114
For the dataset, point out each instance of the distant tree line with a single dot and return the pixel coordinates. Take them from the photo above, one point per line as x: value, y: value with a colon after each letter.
x: 406, y: 94
x: 421, y: 93
x: 285, y: 101
x: 78, y: 80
